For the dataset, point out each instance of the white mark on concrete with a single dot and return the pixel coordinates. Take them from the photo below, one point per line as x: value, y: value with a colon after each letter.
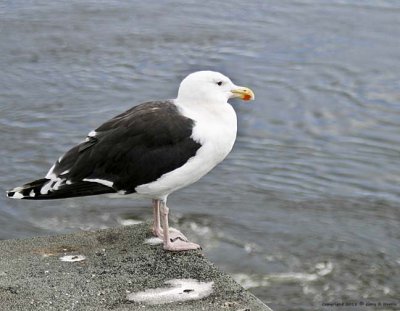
x: 153, y: 241
x: 72, y: 258
x: 129, y: 222
x: 179, y: 290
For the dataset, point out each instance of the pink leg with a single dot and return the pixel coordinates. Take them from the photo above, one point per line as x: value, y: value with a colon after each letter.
x: 173, y: 244
x: 157, y: 231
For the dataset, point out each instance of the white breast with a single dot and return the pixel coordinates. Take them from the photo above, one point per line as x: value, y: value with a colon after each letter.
x: 215, y: 129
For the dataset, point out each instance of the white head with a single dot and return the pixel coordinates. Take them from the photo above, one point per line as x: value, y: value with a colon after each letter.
x: 211, y: 86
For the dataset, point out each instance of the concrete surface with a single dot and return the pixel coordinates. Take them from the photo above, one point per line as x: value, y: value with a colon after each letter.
x: 112, y: 265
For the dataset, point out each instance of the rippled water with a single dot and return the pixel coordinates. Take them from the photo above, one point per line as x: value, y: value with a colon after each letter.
x: 306, y: 208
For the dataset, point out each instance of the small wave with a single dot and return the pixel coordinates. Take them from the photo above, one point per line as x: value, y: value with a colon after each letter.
x: 252, y: 281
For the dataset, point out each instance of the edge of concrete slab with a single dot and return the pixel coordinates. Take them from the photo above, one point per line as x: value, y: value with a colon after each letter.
x: 99, y: 270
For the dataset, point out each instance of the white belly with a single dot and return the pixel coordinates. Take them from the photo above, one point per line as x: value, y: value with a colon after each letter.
x: 216, y: 133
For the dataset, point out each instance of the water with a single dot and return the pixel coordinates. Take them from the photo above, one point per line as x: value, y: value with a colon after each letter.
x: 306, y: 208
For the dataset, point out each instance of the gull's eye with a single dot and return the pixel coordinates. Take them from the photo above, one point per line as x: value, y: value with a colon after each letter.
x: 219, y: 83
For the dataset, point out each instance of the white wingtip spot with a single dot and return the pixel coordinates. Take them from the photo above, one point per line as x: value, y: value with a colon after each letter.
x: 17, y: 195
x: 92, y: 134
x: 100, y: 181
x: 57, y: 185
x: 32, y: 193
x: 178, y: 291
x: 46, y: 188
x: 50, y: 174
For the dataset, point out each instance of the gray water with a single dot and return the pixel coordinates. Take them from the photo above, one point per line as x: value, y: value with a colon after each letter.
x: 305, y: 210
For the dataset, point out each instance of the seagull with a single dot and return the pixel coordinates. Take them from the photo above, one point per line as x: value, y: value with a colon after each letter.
x: 150, y: 151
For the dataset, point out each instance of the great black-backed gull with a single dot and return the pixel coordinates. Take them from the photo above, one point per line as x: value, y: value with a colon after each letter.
x: 151, y: 150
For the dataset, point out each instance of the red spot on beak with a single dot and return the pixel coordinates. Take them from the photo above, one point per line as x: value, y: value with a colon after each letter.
x: 246, y: 97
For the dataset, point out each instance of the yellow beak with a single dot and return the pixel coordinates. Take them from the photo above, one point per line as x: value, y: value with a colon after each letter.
x: 243, y: 92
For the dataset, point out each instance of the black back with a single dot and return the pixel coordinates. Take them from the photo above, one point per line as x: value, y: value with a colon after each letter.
x: 134, y: 148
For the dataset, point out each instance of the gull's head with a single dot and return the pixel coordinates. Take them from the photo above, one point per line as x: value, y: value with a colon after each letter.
x: 211, y: 86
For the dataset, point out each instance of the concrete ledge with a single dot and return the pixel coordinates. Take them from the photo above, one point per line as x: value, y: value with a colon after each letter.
x: 114, y: 264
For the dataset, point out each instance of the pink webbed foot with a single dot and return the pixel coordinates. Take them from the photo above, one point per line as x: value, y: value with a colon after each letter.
x: 173, y: 239
x: 175, y: 234
x: 179, y: 245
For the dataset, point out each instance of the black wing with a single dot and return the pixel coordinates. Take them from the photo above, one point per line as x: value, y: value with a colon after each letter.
x: 134, y: 148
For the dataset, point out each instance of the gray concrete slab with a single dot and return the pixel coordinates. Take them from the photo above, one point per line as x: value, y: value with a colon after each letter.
x: 117, y: 263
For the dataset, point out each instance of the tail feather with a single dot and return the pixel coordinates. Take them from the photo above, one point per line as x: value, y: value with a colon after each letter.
x: 41, y: 190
